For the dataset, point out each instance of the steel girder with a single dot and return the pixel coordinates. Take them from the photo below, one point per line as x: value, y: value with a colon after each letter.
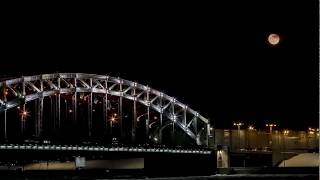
x: 40, y: 86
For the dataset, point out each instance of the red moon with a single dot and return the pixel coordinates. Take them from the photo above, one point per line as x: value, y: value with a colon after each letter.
x: 273, y: 39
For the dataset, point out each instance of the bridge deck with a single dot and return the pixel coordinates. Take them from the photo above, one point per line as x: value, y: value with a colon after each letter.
x: 100, y: 148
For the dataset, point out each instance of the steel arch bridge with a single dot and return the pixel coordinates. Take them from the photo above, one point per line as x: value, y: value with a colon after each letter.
x: 89, y: 105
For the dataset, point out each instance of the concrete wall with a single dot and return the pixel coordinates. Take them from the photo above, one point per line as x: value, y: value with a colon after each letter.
x: 283, y: 146
x: 236, y: 140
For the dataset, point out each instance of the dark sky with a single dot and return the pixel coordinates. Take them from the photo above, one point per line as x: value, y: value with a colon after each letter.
x: 213, y: 57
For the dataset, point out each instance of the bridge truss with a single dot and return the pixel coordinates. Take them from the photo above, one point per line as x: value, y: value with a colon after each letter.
x: 96, y: 106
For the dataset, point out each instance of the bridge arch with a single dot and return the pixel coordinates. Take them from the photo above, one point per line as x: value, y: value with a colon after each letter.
x: 19, y: 91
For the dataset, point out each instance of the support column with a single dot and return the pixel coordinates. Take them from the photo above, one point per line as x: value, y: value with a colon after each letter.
x: 105, y: 112
x: 5, y: 111
x: 39, y: 110
x: 75, y: 103
x: 23, y: 116
x: 208, y: 135
x: 90, y: 110
x: 161, y: 119
x: 147, y: 123
x: 23, y: 119
x: 148, y: 115
x: 58, y: 104
x: 120, y: 110
x: 53, y: 112
x: 173, y: 123
x: 196, y: 126
x: 90, y: 114
x: 5, y: 124
x: 134, y: 122
x: 58, y: 111
x: 105, y: 103
x: 185, y: 117
x: 120, y: 117
x: 41, y: 117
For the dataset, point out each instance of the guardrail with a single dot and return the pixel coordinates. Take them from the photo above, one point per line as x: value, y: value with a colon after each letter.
x: 100, y: 148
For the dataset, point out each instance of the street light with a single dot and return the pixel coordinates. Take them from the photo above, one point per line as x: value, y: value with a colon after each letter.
x: 270, y: 130
x: 270, y: 127
x: 249, y: 135
x: 285, y: 134
x: 251, y: 128
x: 313, y: 133
x: 238, y: 124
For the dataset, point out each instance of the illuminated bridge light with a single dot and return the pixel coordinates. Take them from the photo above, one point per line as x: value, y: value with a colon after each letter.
x: 102, y: 148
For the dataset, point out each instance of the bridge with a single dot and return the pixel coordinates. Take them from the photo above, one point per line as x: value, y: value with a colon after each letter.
x: 76, y: 114
x: 96, y: 106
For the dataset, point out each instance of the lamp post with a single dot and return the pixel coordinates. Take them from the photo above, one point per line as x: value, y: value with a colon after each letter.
x: 313, y: 132
x: 270, y: 131
x: 238, y: 124
x: 250, y: 129
x: 285, y: 134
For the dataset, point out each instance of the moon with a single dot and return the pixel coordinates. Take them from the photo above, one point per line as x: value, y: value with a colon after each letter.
x: 274, y: 39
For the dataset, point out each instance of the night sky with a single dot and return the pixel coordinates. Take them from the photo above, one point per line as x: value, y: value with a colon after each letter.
x: 213, y: 57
